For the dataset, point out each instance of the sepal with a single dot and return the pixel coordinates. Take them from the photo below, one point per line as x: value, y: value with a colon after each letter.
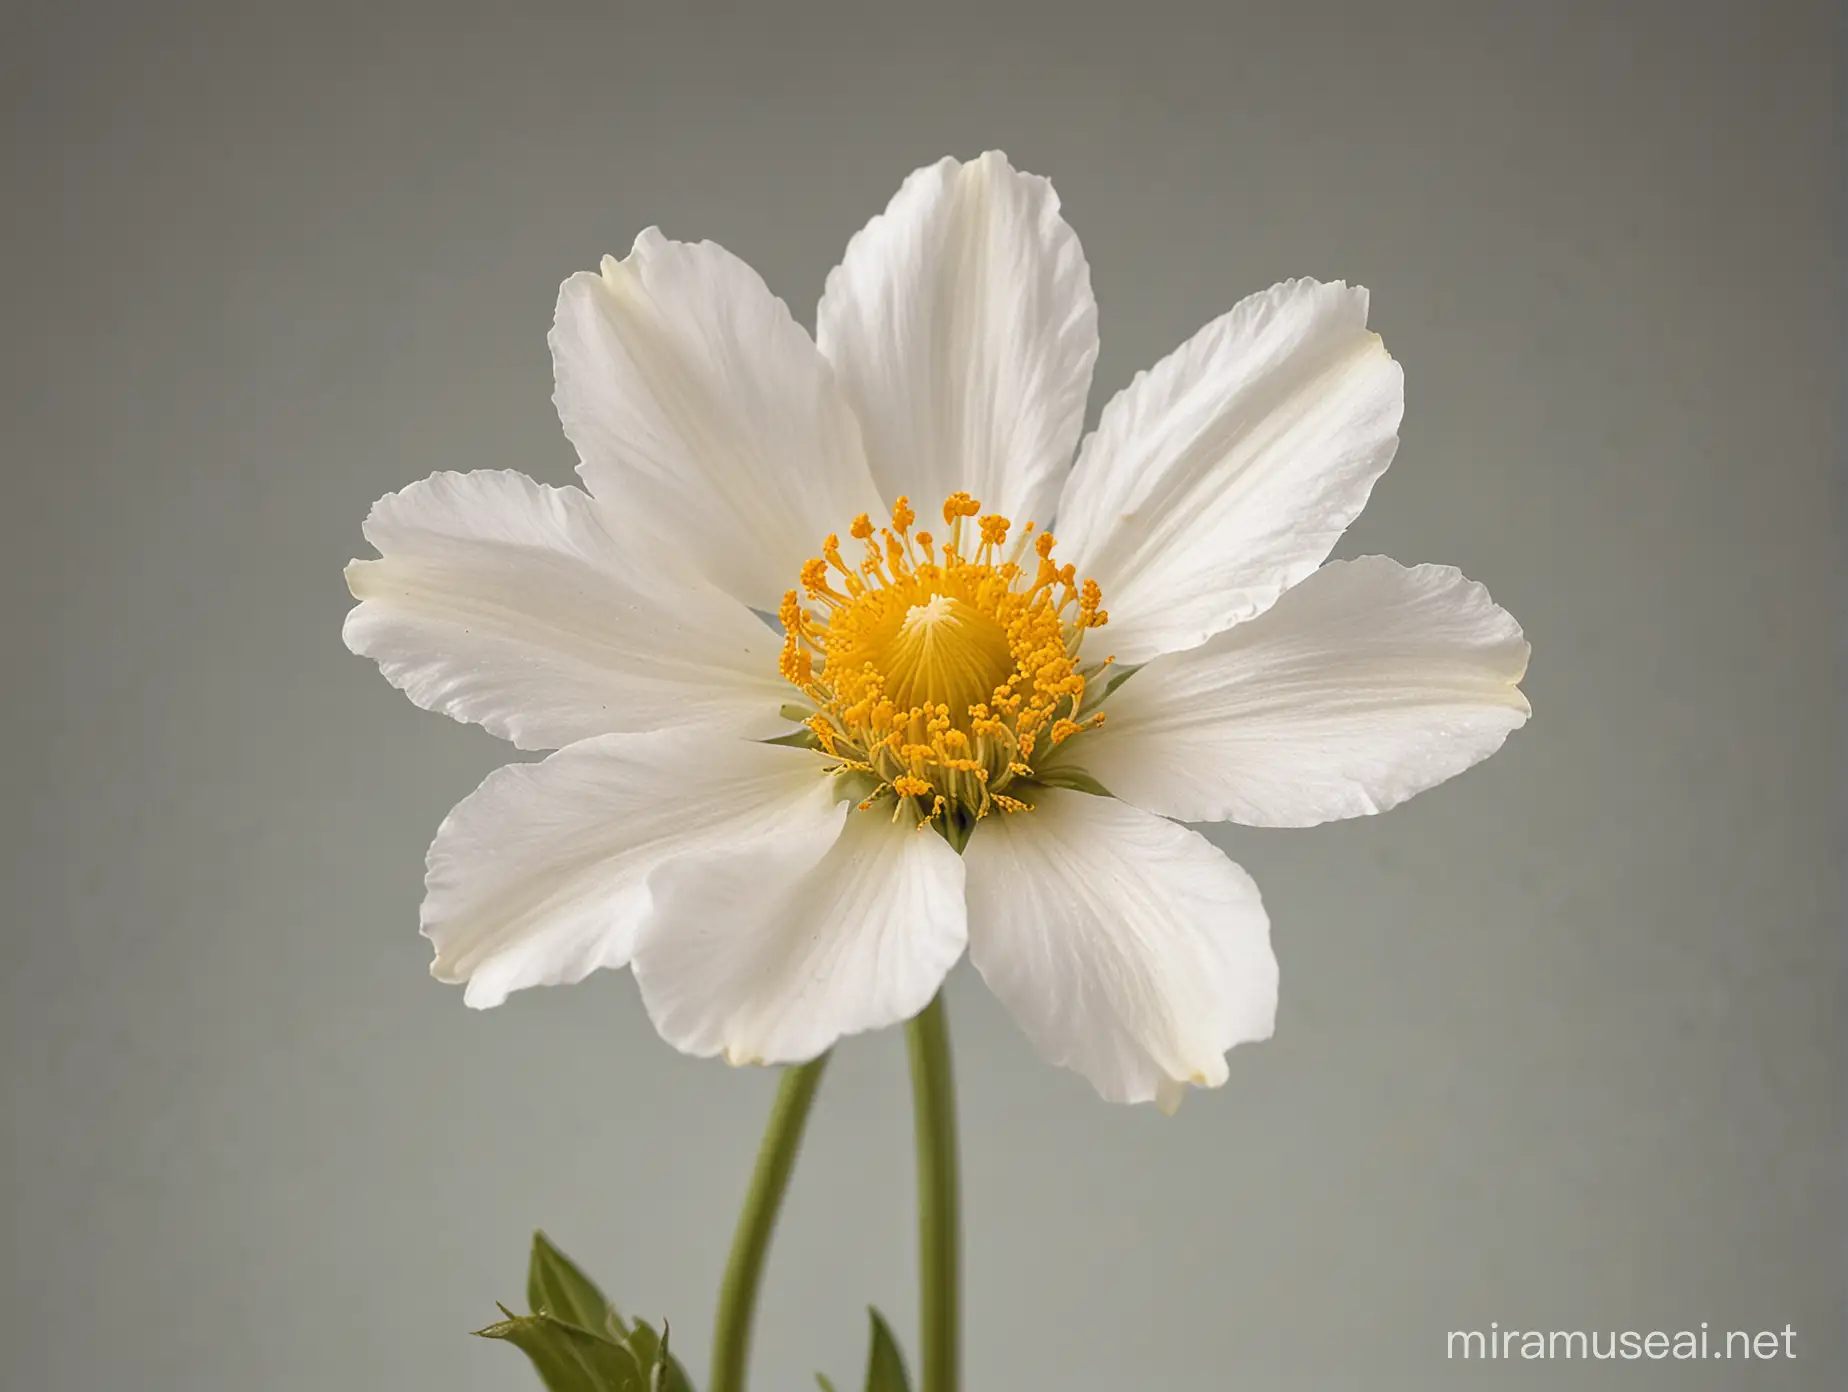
x: 1072, y: 777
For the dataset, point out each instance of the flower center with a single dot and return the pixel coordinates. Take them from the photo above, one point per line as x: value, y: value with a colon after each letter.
x: 937, y: 672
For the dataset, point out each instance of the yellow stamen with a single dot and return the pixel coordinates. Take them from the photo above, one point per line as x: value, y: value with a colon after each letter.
x: 939, y: 674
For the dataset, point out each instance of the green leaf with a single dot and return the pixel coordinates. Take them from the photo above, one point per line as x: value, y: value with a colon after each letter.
x: 555, y: 1286
x: 651, y: 1354
x: 821, y: 1380
x: 885, y: 1365
x: 567, y: 1358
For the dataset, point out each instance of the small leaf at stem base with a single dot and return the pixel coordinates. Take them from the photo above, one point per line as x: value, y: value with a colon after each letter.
x: 651, y: 1353
x: 567, y: 1358
x: 556, y: 1286
x: 885, y: 1365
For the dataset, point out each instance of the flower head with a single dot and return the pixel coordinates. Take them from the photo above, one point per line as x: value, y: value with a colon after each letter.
x: 998, y: 679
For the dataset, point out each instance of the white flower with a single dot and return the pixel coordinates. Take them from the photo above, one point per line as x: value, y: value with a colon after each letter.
x: 1181, y: 645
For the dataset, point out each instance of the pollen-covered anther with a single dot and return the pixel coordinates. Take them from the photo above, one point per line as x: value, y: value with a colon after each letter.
x: 938, y: 665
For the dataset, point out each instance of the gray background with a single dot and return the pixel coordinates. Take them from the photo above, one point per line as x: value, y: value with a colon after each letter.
x: 1562, y: 1043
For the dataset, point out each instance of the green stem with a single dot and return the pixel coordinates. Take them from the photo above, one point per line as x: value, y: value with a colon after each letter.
x: 933, y: 1100
x: 776, y: 1159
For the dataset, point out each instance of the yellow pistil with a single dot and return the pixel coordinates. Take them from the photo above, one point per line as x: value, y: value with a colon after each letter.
x: 939, y: 665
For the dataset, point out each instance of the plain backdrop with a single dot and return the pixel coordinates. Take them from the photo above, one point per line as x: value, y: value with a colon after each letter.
x: 1561, y: 1043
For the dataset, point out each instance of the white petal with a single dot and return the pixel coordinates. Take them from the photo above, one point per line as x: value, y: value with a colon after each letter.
x: 962, y: 327
x: 539, y: 876
x: 1365, y: 684
x: 703, y: 414
x: 1128, y: 948
x: 504, y: 602
x: 1225, y: 474
x: 769, y: 956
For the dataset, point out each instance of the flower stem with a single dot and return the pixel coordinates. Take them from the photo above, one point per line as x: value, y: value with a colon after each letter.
x: 776, y: 1159
x: 933, y: 1100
